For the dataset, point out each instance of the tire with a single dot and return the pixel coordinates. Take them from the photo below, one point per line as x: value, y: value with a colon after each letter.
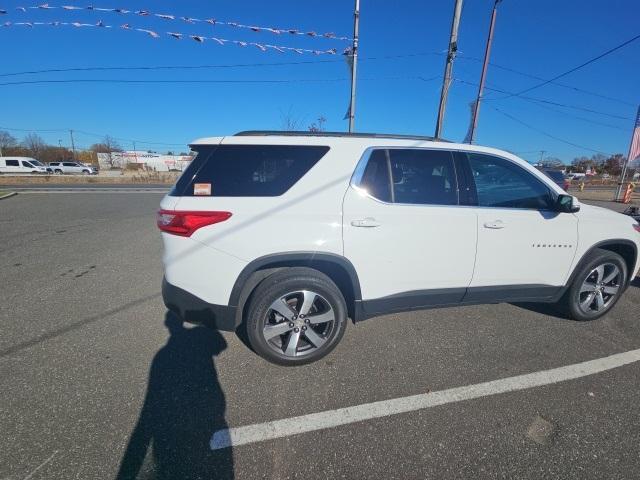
x: 596, y: 287
x: 86, y: 172
x: 310, y: 319
x: 57, y: 172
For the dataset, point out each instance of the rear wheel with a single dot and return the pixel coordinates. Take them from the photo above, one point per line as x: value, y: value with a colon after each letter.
x: 58, y: 172
x: 597, y: 286
x: 295, y: 316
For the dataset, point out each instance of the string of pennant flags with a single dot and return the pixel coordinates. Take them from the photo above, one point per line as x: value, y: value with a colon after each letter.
x: 178, y: 36
x: 179, y: 18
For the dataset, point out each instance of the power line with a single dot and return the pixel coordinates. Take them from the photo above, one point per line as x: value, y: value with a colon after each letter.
x: 192, y: 81
x: 582, y: 65
x: 51, y: 130
x: 543, y: 100
x: 202, y: 81
x: 547, y: 134
x: 213, y: 66
x: 564, y: 85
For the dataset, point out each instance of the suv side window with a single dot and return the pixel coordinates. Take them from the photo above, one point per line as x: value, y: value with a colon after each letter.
x: 248, y: 170
x: 501, y: 183
x: 411, y: 176
x: 69, y: 164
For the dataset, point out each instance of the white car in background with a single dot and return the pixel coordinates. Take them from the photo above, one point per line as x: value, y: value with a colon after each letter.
x: 60, y: 168
x: 21, y: 165
x: 287, y: 235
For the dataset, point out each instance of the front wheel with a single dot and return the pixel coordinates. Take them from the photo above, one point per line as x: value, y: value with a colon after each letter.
x: 295, y: 316
x: 597, y: 286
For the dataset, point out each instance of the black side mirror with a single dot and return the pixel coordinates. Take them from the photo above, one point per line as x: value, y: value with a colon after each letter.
x: 565, y: 204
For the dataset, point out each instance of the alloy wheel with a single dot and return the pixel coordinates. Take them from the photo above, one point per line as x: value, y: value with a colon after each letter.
x: 599, y: 289
x: 298, y: 323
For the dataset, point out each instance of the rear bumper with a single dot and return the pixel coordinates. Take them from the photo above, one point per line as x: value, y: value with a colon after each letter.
x: 195, y: 310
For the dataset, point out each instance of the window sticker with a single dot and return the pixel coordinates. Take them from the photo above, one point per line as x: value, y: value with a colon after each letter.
x: 202, y: 189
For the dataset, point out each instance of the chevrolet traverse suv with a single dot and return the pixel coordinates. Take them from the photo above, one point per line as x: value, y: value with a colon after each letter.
x: 289, y: 234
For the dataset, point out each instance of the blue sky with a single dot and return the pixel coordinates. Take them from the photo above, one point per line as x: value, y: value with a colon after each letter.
x: 542, y: 38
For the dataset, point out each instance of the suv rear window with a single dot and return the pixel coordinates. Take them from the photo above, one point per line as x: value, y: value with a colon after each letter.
x: 247, y: 170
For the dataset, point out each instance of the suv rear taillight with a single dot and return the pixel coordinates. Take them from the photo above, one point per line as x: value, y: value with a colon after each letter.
x: 636, y: 227
x: 185, y: 223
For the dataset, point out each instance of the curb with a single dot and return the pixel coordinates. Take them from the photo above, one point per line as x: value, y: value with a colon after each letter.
x: 10, y: 194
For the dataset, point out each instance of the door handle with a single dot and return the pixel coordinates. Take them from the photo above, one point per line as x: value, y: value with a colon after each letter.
x: 365, y: 222
x: 497, y: 224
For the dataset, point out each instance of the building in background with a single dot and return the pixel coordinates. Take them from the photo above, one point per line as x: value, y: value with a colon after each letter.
x: 150, y: 161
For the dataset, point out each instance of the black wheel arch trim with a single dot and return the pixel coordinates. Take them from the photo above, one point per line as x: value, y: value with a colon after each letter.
x: 301, y: 258
x: 603, y: 243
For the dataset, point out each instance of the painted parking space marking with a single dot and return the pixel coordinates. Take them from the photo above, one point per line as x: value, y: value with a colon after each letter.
x: 343, y: 416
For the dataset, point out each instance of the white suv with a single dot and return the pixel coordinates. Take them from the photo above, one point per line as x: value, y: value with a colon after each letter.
x: 286, y: 235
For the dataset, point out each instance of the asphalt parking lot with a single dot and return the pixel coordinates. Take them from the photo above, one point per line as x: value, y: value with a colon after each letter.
x: 99, y: 382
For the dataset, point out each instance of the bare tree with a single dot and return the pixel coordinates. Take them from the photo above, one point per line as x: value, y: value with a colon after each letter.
x: 551, y: 162
x: 34, y: 144
x: 108, y: 146
x: 318, y: 125
x: 7, y: 141
x: 288, y: 121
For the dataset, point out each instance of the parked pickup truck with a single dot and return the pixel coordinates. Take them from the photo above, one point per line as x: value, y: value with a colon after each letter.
x: 60, y: 168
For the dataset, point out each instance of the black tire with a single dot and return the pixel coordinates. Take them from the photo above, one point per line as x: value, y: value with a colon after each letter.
x: 573, y: 300
x: 57, y: 172
x: 290, y: 283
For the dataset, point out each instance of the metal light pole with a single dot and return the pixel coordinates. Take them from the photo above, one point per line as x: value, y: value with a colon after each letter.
x: 487, y: 53
x: 453, y: 48
x: 354, y: 65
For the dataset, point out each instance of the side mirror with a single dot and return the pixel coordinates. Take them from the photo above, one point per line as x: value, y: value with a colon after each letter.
x: 565, y: 204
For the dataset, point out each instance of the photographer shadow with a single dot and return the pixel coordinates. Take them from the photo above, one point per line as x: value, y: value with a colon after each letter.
x: 183, y: 406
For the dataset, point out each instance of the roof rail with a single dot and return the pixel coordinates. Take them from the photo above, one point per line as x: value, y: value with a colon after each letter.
x: 305, y: 133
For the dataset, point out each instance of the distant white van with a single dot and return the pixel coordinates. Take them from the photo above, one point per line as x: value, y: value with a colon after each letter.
x: 21, y: 165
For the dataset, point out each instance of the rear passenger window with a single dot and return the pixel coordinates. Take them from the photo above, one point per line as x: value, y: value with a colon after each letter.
x: 248, y: 170
x: 12, y: 163
x: 411, y: 176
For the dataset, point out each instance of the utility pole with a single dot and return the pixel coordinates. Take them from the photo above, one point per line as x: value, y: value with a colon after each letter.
x: 446, y: 83
x: 73, y: 145
x: 354, y: 65
x: 135, y: 153
x: 542, y: 152
x: 487, y: 53
x: 632, y: 151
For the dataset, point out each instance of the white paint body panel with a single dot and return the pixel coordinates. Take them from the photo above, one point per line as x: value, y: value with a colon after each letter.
x: 416, y: 247
x: 596, y: 224
x: 530, y: 248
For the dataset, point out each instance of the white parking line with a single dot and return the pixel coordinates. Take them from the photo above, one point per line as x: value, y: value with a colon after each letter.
x: 358, y: 413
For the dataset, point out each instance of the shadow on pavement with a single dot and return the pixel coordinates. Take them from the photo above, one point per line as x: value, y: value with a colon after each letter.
x: 549, y: 309
x: 183, y: 406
